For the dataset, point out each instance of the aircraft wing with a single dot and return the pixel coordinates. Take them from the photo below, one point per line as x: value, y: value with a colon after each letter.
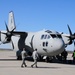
x: 19, y: 33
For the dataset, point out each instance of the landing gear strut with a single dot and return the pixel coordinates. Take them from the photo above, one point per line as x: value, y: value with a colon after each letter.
x: 18, y: 54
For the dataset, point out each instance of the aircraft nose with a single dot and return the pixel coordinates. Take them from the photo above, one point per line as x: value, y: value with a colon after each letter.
x: 59, y: 45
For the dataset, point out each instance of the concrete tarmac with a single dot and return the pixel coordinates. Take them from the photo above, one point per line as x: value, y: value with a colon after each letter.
x: 10, y: 66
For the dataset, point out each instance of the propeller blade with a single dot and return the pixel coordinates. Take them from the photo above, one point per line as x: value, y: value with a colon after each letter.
x: 12, y: 44
x: 74, y: 43
x: 69, y: 30
x: 6, y: 27
x: 3, y: 33
x: 13, y: 29
x: 4, y: 41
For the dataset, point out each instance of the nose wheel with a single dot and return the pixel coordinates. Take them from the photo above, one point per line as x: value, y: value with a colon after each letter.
x: 48, y: 59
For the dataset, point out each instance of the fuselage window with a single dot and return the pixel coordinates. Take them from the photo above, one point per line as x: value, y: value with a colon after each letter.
x: 45, y: 44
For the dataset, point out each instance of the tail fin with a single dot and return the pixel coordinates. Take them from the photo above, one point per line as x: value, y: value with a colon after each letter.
x: 11, y: 22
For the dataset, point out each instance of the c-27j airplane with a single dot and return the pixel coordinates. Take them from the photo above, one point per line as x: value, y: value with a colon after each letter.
x: 48, y: 43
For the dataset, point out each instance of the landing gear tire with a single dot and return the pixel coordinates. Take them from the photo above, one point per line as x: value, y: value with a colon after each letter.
x: 40, y: 58
x: 19, y: 58
x: 48, y: 59
x: 18, y: 55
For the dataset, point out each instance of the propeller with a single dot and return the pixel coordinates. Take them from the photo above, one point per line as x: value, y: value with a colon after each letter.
x: 72, y: 36
x: 8, y: 34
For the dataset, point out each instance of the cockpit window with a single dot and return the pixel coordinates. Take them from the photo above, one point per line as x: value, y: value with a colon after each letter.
x: 42, y: 36
x: 45, y: 36
x: 59, y: 36
x: 53, y: 35
x: 48, y: 36
x: 48, y: 31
